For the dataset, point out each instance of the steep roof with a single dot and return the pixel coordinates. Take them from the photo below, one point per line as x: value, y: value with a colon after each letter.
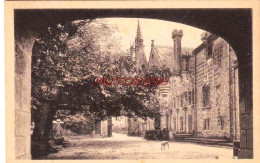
x: 163, y: 55
x: 140, y: 56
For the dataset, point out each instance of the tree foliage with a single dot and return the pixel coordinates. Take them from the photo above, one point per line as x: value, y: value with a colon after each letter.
x: 68, y: 58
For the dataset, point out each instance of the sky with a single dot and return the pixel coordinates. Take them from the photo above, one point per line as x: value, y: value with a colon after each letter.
x: 154, y: 29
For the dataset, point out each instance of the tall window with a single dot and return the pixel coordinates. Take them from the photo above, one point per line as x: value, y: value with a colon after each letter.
x: 221, y: 122
x: 185, y: 98
x: 174, y: 123
x: 193, y: 96
x: 174, y: 103
x: 206, y: 124
x: 177, y: 101
x: 206, y: 96
x: 218, y: 95
x: 181, y: 100
x: 189, y: 97
x: 181, y: 123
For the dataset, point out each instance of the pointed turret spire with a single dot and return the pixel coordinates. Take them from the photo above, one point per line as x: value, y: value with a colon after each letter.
x: 138, y: 38
x: 139, y: 49
x: 138, y: 33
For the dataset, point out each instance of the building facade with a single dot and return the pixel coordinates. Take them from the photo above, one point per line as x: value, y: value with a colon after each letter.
x: 201, y: 97
x: 177, y: 93
x: 216, y: 89
x: 205, y: 92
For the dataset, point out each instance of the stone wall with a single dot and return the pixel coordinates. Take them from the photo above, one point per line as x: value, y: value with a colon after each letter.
x: 219, y: 74
x: 180, y: 87
x: 23, y: 49
x: 246, y: 109
x: 215, y: 72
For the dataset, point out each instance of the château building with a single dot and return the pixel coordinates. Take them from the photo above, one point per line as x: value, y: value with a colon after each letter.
x: 201, y: 97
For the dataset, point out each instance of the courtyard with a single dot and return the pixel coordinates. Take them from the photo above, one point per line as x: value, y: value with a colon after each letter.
x: 121, y: 146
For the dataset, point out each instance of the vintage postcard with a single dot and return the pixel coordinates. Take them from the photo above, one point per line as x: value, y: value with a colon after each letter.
x: 131, y: 81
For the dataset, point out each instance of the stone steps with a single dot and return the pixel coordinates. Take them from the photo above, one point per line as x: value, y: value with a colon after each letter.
x: 183, y: 135
x: 221, y: 142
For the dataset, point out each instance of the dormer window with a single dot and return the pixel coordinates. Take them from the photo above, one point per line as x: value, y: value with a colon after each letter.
x: 205, y: 37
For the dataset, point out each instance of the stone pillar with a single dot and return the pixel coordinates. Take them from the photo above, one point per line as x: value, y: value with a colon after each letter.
x: 176, y: 36
x: 237, y: 114
x: 245, y: 108
x: 23, y: 50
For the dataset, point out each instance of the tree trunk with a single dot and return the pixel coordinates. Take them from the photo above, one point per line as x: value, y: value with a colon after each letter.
x: 36, y: 131
x: 40, y: 119
x: 48, y: 123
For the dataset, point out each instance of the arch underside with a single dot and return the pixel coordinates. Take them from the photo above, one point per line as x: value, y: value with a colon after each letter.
x: 234, y: 25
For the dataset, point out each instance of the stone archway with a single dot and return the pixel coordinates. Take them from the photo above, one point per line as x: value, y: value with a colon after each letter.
x: 235, y: 26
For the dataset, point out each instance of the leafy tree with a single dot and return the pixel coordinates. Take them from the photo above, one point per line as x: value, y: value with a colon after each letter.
x: 65, y: 63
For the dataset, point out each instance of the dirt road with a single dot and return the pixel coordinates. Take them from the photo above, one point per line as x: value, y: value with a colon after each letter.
x: 121, y: 146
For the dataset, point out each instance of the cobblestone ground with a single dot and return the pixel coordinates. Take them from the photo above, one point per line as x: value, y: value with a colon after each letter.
x: 123, y: 147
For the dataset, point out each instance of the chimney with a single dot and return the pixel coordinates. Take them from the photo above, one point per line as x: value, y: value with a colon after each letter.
x: 152, y: 43
x: 205, y: 36
x: 177, y: 59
